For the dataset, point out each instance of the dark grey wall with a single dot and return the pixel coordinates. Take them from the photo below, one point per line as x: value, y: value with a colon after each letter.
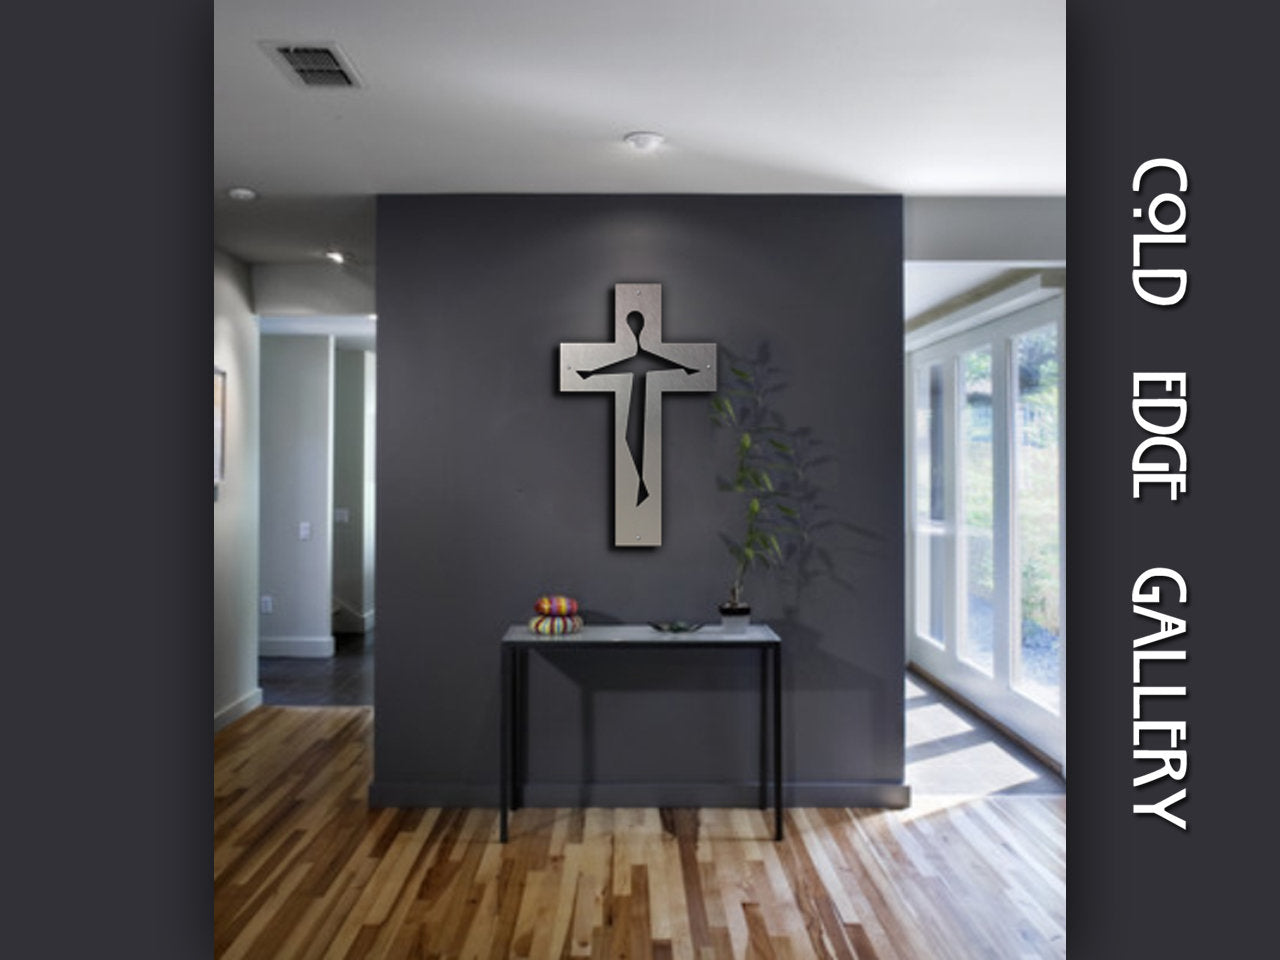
x: 495, y: 488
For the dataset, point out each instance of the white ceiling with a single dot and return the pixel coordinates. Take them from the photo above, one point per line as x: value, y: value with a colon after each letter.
x: 918, y: 97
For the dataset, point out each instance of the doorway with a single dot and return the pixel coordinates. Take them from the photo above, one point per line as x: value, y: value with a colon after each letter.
x: 318, y: 487
x: 985, y: 519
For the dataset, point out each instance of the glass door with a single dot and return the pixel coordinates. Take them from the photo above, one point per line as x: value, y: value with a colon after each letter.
x: 985, y: 549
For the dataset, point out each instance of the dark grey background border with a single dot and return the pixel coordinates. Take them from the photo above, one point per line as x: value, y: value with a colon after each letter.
x: 1191, y: 82
x: 107, y: 799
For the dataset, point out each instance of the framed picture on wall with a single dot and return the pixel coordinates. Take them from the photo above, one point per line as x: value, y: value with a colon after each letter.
x: 219, y: 425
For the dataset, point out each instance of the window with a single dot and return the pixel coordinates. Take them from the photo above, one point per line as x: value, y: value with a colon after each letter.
x: 985, y: 518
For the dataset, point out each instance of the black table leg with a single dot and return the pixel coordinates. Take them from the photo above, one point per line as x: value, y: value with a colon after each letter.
x: 777, y: 739
x: 519, y: 699
x: 764, y: 727
x: 504, y: 749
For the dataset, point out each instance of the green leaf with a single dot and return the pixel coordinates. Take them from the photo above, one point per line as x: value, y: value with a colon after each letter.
x: 740, y: 374
x: 788, y: 511
x: 754, y: 506
x: 744, y: 441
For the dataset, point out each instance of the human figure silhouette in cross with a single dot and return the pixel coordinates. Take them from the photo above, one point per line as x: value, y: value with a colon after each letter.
x: 639, y: 364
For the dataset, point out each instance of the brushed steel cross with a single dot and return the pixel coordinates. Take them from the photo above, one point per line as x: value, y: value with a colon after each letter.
x: 637, y: 368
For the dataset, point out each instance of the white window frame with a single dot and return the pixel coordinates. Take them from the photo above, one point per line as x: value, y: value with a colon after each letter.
x: 994, y: 694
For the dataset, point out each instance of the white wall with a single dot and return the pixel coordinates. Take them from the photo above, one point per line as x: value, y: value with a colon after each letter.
x: 235, y: 511
x: 1006, y: 229
x: 353, y: 431
x: 313, y: 289
x: 297, y: 488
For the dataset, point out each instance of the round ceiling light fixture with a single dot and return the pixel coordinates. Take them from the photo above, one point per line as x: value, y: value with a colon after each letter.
x: 243, y: 194
x: 645, y: 141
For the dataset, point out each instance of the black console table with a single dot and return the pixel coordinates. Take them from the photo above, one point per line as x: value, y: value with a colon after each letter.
x: 519, y: 640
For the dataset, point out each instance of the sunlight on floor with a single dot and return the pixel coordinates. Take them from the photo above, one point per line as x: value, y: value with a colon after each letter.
x: 952, y: 756
x: 932, y: 720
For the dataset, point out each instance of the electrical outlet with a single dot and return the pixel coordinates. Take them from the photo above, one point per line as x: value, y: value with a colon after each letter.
x: 304, y: 530
x: 341, y: 515
x: 267, y: 604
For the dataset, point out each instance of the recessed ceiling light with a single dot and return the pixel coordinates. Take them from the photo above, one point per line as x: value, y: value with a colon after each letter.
x: 243, y: 194
x: 337, y: 256
x: 644, y: 140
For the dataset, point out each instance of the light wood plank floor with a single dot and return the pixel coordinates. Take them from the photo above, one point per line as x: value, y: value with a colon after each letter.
x: 304, y: 869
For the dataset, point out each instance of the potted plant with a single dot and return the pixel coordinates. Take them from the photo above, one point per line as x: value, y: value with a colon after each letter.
x: 762, y: 471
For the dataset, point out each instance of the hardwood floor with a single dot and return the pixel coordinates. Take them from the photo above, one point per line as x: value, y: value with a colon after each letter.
x: 304, y: 869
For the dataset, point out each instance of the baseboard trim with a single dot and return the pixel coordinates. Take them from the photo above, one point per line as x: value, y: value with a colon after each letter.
x: 227, y: 715
x: 296, y: 646
x: 857, y: 793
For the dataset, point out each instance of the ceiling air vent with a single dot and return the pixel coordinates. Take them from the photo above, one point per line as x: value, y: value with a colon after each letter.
x: 313, y: 64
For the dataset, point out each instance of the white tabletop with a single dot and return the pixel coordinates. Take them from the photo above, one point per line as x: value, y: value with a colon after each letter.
x: 644, y: 633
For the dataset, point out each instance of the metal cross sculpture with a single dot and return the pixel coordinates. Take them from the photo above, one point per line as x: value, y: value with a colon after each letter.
x: 637, y: 368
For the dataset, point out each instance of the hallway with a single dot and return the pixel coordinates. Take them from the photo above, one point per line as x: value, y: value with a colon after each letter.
x: 343, y: 680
